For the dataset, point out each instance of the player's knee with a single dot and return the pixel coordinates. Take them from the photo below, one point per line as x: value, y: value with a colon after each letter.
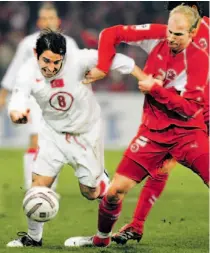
x: 168, y: 166
x: 90, y: 193
x: 114, y: 195
x: 38, y: 180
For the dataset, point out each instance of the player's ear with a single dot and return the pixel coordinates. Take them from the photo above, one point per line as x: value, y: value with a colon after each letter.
x: 35, y: 53
x: 59, y: 22
x: 38, y: 24
x: 195, y: 7
x: 193, y: 32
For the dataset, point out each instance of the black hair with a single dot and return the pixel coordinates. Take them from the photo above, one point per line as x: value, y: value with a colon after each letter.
x: 170, y: 5
x: 51, y: 40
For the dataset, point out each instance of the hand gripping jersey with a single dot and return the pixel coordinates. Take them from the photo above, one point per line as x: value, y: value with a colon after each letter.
x: 181, y: 103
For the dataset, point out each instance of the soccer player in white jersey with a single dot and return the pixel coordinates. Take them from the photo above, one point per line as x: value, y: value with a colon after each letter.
x: 71, y: 128
x: 47, y: 17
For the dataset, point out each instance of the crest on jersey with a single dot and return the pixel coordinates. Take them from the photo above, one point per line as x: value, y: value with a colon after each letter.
x: 203, y: 43
x: 171, y: 74
x: 134, y: 147
x: 57, y: 83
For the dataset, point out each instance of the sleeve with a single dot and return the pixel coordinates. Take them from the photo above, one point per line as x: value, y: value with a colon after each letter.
x: 191, y: 101
x: 146, y: 36
x: 120, y: 63
x: 17, y: 61
x: 21, y: 91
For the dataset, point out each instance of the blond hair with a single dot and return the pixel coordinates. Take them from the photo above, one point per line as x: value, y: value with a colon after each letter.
x: 190, y: 13
x: 48, y: 7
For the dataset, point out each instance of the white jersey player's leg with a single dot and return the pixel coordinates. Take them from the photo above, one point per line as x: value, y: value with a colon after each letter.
x: 33, y: 127
x: 49, y: 161
x: 88, y: 153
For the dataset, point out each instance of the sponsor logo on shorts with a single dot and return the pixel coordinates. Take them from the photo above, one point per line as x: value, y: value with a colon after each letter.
x: 134, y: 147
x: 139, y: 142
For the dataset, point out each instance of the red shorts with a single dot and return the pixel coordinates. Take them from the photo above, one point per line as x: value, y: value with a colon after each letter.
x: 150, y: 149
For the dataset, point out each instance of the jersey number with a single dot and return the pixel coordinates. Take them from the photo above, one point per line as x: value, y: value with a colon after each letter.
x: 61, y: 101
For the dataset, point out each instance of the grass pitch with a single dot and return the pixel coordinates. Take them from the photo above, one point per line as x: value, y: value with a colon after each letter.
x: 178, y: 222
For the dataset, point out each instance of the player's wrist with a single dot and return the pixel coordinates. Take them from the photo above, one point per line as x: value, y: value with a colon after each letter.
x: 103, y: 68
x: 155, y: 89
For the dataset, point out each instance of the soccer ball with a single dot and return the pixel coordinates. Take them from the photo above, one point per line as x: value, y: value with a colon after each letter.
x: 41, y: 203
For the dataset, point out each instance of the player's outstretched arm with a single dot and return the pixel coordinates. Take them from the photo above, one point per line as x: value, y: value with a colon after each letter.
x: 120, y: 63
x: 3, y: 97
x: 139, y: 35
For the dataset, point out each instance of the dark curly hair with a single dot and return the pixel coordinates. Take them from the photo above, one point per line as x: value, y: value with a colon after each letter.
x: 51, y: 40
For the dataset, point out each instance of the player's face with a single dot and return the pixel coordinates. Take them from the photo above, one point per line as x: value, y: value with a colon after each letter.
x: 50, y: 63
x: 48, y: 19
x: 178, y: 33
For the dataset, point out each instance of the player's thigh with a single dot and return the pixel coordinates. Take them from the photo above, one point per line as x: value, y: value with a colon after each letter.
x: 148, y: 154
x: 49, y: 159
x: 89, y: 165
x: 190, y: 147
x: 168, y: 165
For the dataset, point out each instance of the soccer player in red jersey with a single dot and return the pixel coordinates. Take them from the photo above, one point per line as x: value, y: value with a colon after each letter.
x: 153, y: 187
x: 172, y: 124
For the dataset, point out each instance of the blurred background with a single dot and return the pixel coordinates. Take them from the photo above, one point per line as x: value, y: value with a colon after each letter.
x: 83, y: 21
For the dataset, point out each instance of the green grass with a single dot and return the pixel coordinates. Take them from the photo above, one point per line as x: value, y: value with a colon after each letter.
x: 178, y: 222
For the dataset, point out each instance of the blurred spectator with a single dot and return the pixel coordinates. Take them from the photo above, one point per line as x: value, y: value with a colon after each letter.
x: 82, y: 20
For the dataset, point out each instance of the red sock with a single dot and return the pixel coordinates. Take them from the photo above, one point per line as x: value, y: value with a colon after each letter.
x: 108, y: 215
x: 148, y: 196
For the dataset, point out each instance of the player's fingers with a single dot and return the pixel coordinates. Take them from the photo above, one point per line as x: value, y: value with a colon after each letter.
x: 87, y: 81
x: 28, y: 111
x: 22, y: 120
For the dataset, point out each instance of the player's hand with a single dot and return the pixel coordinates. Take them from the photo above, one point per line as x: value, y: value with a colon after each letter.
x: 146, y: 85
x: 20, y: 117
x: 93, y: 75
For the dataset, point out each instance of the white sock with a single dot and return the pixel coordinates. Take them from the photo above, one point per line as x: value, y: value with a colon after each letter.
x: 35, y: 229
x: 28, y: 160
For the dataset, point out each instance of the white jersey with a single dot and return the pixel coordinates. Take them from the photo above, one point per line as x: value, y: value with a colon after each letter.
x: 67, y: 105
x: 23, y: 53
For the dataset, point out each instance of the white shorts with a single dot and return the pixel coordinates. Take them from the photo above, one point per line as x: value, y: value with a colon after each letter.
x: 83, y: 152
x: 35, y: 117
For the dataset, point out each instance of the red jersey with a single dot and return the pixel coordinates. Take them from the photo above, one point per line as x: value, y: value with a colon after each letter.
x: 181, y: 100
x: 202, y: 39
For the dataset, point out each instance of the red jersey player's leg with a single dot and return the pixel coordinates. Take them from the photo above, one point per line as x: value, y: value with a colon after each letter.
x: 192, y: 151
x: 146, y: 155
x: 151, y: 191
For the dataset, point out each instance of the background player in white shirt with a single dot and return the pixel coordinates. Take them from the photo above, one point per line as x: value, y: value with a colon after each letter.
x: 47, y: 17
x: 71, y: 129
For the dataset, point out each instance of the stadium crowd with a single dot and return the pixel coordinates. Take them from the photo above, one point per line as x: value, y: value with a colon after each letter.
x: 83, y: 21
